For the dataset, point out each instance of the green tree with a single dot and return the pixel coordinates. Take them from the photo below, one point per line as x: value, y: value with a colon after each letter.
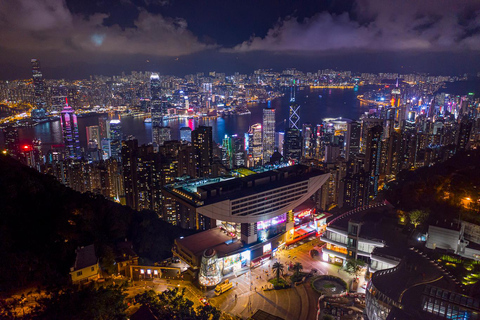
x: 277, y: 268
x: 418, y: 217
x: 103, y: 303
x: 297, y: 267
x: 172, y: 304
x: 354, y: 266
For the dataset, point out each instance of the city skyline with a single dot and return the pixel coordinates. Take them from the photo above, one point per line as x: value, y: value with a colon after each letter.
x: 289, y: 160
x: 78, y: 38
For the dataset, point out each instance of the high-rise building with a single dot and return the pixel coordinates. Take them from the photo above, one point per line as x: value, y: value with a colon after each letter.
x: 186, y: 134
x: 292, y: 146
x: 202, y: 141
x: 352, y: 140
x: 38, y: 85
x: 227, y: 152
x: 104, y: 127
x: 268, y: 132
x: 367, y: 124
x: 161, y: 134
x: 294, y: 112
x: 116, y: 138
x: 156, y: 105
x: 93, y: 134
x: 255, y: 143
x: 308, y: 139
x: 10, y: 137
x: 373, y: 157
x: 464, y: 131
x: 155, y: 86
x: 238, y: 151
x: 71, y: 139
x: 279, y: 139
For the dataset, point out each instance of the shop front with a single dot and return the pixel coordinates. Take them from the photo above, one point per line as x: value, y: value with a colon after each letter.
x: 304, y: 225
x: 334, y: 254
x: 236, y: 262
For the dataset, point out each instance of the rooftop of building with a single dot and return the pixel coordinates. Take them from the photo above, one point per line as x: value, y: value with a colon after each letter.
x: 406, y: 283
x: 207, y: 191
x: 219, y: 240
x: 124, y: 251
x: 377, y: 222
x: 85, y: 257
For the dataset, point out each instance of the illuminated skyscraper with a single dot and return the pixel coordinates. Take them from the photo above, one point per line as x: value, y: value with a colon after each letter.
x: 292, y: 146
x: 161, y: 134
x: 255, y: 143
x: 68, y: 121
x: 238, y: 151
x: 308, y: 145
x: 294, y: 111
x: 116, y: 138
x: 10, y: 136
x: 268, y: 132
x: 373, y: 157
x: 38, y: 86
x: 227, y: 152
x: 352, y: 139
x: 186, y: 134
x: 156, y: 108
x: 155, y: 86
x: 104, y: 127
x: 93, y: 134
x: 202, y: 142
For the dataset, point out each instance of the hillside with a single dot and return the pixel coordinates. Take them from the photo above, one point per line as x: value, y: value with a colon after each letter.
x: 42, y: 223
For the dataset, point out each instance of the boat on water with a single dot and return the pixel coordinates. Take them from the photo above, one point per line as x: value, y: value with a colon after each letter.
x: 147, y: 120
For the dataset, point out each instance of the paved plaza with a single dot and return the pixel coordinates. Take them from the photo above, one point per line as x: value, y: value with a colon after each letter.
x: 249, y: 294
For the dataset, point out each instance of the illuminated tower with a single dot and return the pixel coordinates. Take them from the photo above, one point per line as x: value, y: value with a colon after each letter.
x: 68, y: 121
x: 116, y: 138
x: 396, y: 96
x: 294, y: 111
x: 202, y: 142
x: 156, y: 100
x: 38, y: 86
x: 268, y: 132
x: 373, y: 157
x: 255, y: 143
x: 308, y: 138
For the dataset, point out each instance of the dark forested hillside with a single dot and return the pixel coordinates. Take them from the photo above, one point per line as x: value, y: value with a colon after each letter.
x: 42, y: 223
x: 447, y: 190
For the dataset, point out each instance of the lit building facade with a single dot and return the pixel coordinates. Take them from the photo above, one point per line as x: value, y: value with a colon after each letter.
x: 71, y: 139
x: 255, y: 144
x: 268, y: 133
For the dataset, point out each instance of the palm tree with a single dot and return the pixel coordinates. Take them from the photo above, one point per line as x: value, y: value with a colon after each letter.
x: 297, y: 267
x: 277, y: 268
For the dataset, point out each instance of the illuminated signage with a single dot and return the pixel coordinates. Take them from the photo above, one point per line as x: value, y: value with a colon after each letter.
x: 267, y: 248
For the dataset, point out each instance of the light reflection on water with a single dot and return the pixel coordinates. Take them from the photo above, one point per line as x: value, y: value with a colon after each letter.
x: 315, y: 105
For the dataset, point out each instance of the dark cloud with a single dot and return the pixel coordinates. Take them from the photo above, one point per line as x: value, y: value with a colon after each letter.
x: 379, y: 25
x: 48, y: 25
x: 78, y: 37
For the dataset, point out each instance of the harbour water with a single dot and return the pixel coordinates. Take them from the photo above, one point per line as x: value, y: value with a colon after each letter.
x: 316, y: 104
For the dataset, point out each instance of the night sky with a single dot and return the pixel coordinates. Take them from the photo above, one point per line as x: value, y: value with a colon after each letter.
x: 76, y: 38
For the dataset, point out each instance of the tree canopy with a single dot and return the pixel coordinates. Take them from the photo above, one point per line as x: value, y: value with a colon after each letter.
x: 278, y: 269
x: 172, y: 304
x: 354, y: 266
x: 418, y: 217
